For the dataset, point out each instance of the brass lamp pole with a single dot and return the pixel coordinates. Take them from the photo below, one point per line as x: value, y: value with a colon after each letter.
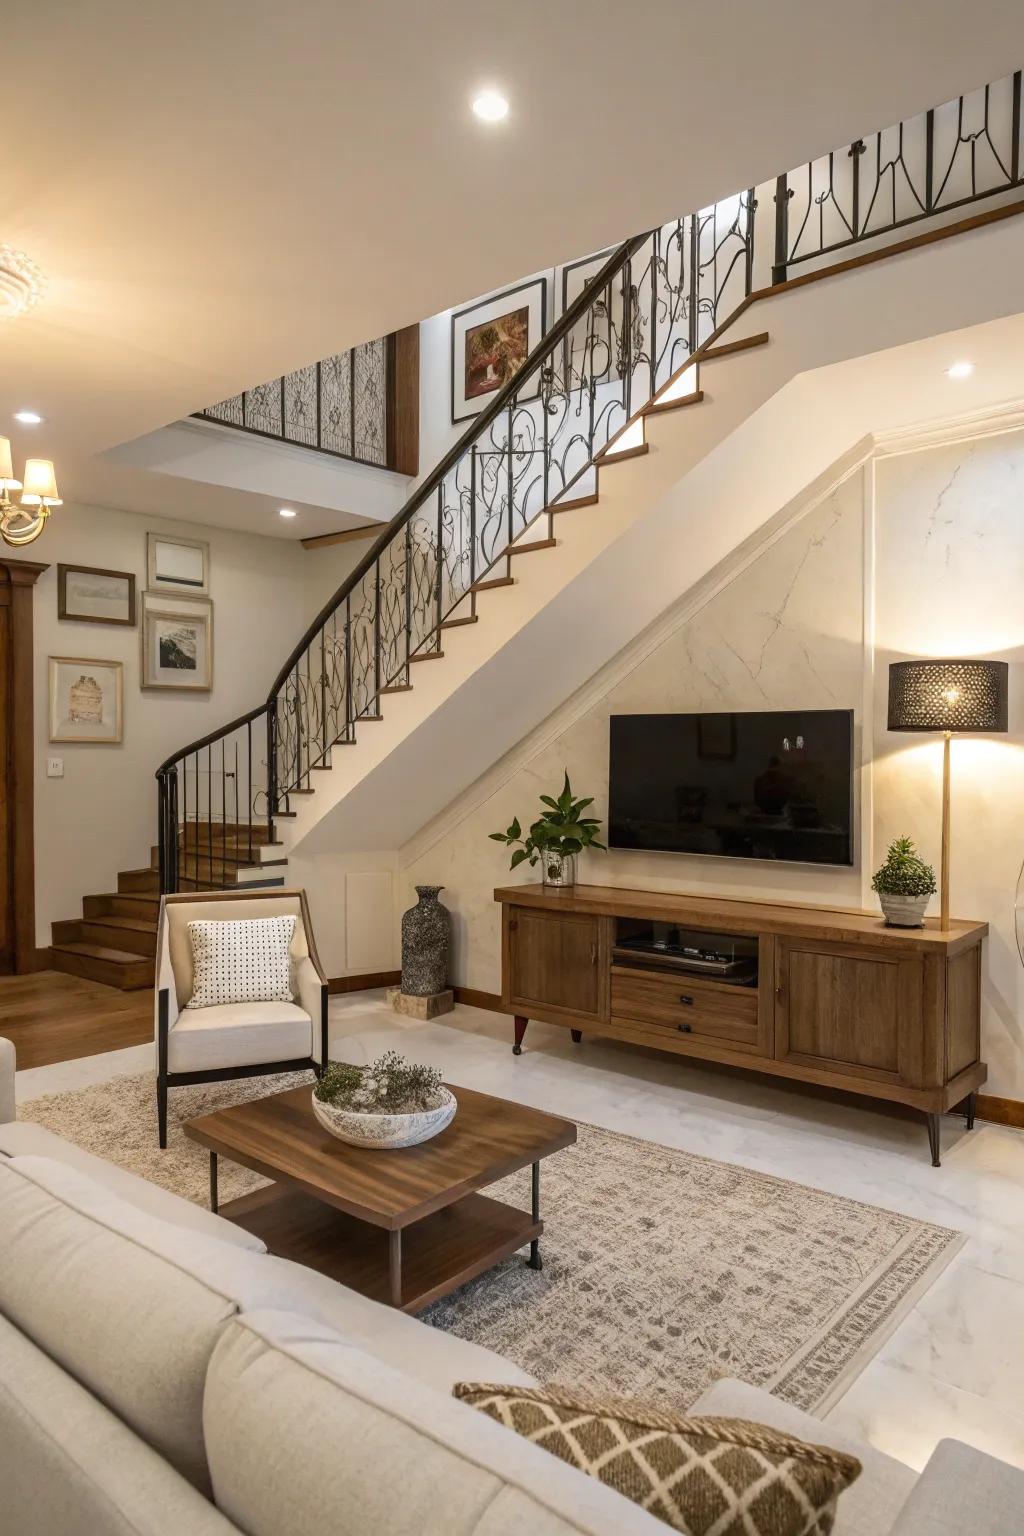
x: 948, y: 696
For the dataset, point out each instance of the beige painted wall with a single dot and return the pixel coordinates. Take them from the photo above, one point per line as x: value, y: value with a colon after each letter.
x: 921, y: 554
x: 101, y: 816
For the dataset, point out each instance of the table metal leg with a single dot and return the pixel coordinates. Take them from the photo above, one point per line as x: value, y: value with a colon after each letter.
x: 214, y: 1205
x: 535, y: 1261
x: 395, y: 1267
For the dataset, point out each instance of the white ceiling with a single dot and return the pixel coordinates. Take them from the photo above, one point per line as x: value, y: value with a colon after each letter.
x: 223, y: 191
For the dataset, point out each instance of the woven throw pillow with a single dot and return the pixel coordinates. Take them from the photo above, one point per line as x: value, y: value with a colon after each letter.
x: 702, y: 1476
x: 244, y: 960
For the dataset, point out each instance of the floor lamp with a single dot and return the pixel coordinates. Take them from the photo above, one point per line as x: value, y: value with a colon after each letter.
x: 947, y: 696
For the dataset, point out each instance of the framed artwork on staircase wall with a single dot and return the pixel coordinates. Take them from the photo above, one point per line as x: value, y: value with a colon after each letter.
x: 177, y: 643
x: 491, y: 339
x: 86, y: 700
x: 177, y: 565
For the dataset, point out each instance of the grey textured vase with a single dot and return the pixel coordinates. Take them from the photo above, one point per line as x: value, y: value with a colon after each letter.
x: 903, y: 911
x: 426, y: 929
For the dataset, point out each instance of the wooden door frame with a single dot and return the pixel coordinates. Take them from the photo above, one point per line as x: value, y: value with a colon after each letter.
x: 17, y: 580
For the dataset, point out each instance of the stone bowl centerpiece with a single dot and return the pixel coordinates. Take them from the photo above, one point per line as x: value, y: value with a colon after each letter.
x: 390, y: 1103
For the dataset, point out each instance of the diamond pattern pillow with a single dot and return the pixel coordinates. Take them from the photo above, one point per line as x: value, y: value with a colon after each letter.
x: 701, y: 1476
x: 243, y: 960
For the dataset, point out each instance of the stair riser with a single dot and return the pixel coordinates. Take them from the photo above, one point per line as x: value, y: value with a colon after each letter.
x: 127, y: 978
x: 120, y: 938
x: 145, y: 880
x: 122, y: 906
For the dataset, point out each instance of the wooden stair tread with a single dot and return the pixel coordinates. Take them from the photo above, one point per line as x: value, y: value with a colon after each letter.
x: 488, y: 585
x: 528, y: 549
x: 657, y: 407
x: 573, y: 502
x: 473, y: 618
x: 97, y: 952
x: 398, y: 687
x: 118, y: 920
x: 618, y: 454
x: 428, y: 656
x: 726, y: 348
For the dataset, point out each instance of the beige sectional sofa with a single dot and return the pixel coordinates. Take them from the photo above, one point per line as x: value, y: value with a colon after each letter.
x: 161, y: 1373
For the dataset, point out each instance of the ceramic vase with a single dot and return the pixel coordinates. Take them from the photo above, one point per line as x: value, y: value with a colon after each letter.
x: 426, y: 932
x: 558, y: 868
x: 362, y: 1128
x: 903, y: 911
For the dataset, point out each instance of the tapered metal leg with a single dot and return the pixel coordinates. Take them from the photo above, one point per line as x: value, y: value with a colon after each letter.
x: 972, y: 1105
x: 535, y: 1261
x: 395, y: 1267
x: 577, y: 1036
x: 161, y: 1111
x: 214, y: 1202
x: 519, y: 1026
x: 933, y: 1138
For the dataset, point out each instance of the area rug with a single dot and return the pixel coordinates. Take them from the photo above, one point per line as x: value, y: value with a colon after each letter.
x: 663, y: 1271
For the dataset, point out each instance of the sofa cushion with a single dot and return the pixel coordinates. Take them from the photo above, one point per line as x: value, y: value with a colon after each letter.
x: 870, y: 1507
x: 238, y: 1035
x: 22, y: 1138
x: 963, y: 1492
x: 695, y: 1473
x: 305, y: 1433
x: 242, y: 960
x: 69, y: 1467
x: 130, y: 1305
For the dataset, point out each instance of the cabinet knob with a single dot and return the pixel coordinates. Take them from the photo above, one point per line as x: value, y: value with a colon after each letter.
x: 685, y: 1027
x: 684, y: 997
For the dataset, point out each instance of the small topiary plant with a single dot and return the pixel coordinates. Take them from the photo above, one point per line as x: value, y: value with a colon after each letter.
x: 388, y: 1086
x: 904, y: 873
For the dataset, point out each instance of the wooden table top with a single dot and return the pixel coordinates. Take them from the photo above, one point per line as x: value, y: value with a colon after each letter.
x: 281, y: 1138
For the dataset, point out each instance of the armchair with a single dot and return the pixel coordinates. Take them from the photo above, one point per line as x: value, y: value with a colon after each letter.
x: 209, y: 1045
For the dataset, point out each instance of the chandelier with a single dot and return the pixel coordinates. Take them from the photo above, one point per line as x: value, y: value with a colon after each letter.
x: 24, y: 520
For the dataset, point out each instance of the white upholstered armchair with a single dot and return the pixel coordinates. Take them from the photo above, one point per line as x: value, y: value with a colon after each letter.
x: 239, y: 1039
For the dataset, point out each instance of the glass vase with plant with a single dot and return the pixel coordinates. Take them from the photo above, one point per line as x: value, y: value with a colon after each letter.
x: 555, y: 838
x: 904, y: 883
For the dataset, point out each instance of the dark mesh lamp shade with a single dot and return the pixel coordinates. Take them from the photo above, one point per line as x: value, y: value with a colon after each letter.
x: 948, y: 696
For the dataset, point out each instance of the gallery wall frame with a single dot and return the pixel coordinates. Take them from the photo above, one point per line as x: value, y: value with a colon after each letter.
x: 491, y: 339
x: 89, y: 594
x: 86, y: 700
x: 177, y: 565
x: 176, y: 640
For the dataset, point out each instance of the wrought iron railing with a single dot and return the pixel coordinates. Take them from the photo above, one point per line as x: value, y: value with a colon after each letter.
x: 649, y: 305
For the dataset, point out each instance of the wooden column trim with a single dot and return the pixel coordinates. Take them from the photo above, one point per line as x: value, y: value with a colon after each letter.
x: 403, y: 400
x: 21, y: 576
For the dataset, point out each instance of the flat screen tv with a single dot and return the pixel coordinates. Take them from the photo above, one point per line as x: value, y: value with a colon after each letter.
x: 764, y: 784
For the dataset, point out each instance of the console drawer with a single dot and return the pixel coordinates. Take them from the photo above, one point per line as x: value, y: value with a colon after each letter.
x: 681, y: 1004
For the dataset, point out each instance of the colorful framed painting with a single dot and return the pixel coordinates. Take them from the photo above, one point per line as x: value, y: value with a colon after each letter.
x: 177, y: 643
x: 177, y: 565
x: 491, y: 341
x: 86, y: 700
x: 90, y: 595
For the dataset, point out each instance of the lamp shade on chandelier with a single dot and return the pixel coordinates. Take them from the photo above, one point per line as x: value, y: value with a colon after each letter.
x: 23, y: 520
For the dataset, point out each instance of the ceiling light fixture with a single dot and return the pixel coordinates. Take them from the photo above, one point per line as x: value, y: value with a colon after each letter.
x: 490, y: 106
x: 22, y: 283
x: 29, y: 418
x: 286, y: 512
x: 960, y: 370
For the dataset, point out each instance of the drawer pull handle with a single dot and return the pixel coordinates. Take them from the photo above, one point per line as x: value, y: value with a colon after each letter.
x: 684, y: 997
x: 686, y: 1028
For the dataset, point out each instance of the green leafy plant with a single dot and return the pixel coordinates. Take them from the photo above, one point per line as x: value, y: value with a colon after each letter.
x: 904, y: 873
x: 561, y: 828
x: 388, y: 1086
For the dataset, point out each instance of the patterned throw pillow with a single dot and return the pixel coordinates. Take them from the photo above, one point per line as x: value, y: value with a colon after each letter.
x: 245, y: 960
x: 702, y: 1476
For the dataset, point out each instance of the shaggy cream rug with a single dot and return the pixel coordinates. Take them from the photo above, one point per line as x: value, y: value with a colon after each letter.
x: 662, y: 1270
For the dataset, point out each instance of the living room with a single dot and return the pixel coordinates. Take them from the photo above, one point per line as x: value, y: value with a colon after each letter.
x: 579, y: 1079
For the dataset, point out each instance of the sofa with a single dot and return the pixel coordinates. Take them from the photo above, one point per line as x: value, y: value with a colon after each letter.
x: 160, y: 1372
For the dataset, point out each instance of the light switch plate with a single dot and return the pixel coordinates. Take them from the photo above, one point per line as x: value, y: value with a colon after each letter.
x: 54, y: 767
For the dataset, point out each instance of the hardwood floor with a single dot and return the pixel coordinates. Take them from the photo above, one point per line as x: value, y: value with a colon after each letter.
x: 52, y: 1017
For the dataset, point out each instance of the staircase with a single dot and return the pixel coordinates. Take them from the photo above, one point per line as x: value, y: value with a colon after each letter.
x: 585, y: 459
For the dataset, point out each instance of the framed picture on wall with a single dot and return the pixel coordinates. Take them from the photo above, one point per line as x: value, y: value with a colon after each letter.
x: 177, y: 643
x: 589, y: 351
x: 177, y: 565
x: 94, y: 596
x: 491, y: 340
x: 86, y: 700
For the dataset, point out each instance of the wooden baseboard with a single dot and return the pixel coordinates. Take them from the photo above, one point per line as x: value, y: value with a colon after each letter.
x: 364, y: 982
x: 474, y: 999
x: 1000, y: 1111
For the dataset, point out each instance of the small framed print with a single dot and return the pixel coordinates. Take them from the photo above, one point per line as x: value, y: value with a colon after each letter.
x: 86, y: 700
x: 177, y: 565
x: 94, y: 596
x: 491, y: 341
x: 177, y: 643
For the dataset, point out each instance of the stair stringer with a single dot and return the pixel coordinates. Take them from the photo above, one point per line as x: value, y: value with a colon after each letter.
x: 857, y: 353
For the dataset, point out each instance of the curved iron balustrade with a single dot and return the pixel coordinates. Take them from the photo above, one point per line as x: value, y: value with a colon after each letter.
x: 646, y: 308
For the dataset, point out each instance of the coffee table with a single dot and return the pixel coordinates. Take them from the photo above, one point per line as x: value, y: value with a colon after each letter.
x: 331, y: 1204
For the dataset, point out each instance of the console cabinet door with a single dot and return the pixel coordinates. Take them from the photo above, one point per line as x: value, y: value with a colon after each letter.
x: 556, y: 963
x: 851, y: 1012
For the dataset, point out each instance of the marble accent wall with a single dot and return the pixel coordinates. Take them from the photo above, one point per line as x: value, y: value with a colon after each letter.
x: 920, y: 554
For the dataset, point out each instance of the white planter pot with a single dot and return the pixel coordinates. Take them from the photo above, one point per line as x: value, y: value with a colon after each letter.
x: 360, y: 1129
x: 904, y: 911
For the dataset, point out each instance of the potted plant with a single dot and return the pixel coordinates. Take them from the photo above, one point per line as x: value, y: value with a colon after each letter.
x: 555, y: 838
x: 904, y: 883
x: 390, y: 1103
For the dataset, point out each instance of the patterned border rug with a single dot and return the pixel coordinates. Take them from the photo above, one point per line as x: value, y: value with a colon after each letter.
x: 662, y: 1270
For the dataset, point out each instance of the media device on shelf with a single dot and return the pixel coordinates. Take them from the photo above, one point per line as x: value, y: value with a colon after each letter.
x: 758, y: 784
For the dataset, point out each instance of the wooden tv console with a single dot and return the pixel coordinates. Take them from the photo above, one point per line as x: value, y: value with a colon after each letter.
x: 840, y: 999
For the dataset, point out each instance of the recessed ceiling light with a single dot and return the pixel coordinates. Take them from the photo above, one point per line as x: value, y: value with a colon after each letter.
x: 960, y: 370
x: 29, y: 418
x: 286, y: 512
x: 490, y: 106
